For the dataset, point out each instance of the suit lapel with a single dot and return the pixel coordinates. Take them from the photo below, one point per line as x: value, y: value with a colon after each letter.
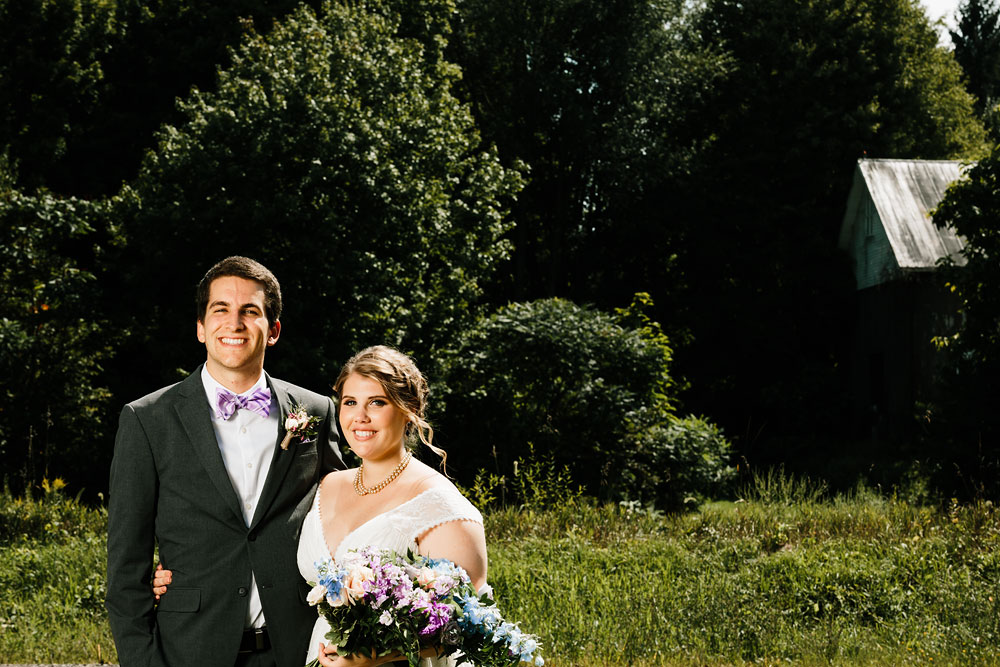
x: 281, y: 460
x: 196, y: 416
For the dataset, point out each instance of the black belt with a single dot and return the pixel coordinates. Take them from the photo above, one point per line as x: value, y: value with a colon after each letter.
x: 254, y: 640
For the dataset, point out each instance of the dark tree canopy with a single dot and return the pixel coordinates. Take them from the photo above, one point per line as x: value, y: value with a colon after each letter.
x: 701, y: 152
x: 51, y: 80
x: 333, y: 152
x: 85, y: 84
x: 813, y: 85
x: 964, y: 431
x: 602, y: 101
x: 54, y: 337
x: 977, y: 50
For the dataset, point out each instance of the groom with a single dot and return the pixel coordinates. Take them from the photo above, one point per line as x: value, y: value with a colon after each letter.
x: 198, y: 472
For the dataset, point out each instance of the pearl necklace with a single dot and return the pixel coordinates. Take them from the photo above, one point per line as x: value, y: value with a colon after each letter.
x: 359, y: 486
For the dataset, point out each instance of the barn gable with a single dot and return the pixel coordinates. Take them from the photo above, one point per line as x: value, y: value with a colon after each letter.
x: 887, y: 228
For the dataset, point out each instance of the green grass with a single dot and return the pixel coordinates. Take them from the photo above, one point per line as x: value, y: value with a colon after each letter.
x: 858, y: 579
x: 52, y: 581
x: 784, y: 577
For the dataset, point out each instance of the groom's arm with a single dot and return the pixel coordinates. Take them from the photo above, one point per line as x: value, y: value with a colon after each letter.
x: 131, y: 521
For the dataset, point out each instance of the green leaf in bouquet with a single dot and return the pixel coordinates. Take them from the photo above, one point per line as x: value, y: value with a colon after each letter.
x: 340, y: 636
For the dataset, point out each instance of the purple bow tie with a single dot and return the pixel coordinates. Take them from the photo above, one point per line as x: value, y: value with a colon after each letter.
x: 259, y: 401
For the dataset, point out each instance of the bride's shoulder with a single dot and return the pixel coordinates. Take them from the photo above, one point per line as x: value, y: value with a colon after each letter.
x: 337, y: 478
x: 430, y: 479
x: 438, y: 490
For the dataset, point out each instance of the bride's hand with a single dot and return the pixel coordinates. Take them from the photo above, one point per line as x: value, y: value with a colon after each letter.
x: 161, y: 578
x: 328, y: 657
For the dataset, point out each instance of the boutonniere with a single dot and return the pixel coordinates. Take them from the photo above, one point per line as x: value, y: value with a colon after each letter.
x: 299, y: 424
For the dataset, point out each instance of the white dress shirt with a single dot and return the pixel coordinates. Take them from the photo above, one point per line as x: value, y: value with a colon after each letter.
x: 247, y: 443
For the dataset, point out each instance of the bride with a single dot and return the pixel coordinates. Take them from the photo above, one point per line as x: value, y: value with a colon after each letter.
x: 392, y: 500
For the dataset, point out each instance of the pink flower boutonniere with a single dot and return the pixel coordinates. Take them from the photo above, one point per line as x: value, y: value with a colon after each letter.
x: 299, y: 424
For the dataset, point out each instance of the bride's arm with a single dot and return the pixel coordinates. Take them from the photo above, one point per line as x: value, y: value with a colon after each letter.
x: 462, y: 542
x: 328, y: 657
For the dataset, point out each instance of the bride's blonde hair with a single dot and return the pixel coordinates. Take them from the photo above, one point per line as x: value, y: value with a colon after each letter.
x: 404, y: 385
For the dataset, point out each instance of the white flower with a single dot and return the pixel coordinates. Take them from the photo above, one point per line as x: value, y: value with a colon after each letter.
x: 316, y: 595
x: 385, y: 618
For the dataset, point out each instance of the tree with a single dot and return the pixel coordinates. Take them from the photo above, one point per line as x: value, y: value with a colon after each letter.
x: 54, y: 339
x: 84, y: 84
x: 590, y: 390
x: 964, y: 431
x: 601, y: 100
x: 333, y: 151
x: 51, y: 80
x: 813, y: 85
x: 977, y: 50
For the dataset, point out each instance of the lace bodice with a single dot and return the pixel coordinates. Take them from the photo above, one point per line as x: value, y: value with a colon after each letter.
x: 396, y: 529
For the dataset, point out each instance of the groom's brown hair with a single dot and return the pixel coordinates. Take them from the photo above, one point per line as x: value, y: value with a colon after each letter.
x: 242, y: 267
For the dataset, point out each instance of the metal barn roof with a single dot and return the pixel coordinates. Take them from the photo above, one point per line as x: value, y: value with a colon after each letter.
x: 904, y: 193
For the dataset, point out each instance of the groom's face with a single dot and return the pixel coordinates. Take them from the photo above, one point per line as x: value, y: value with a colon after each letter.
x: 234, y: 327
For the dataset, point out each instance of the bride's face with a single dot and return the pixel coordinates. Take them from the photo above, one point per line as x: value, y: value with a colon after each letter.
x: 373, y: 425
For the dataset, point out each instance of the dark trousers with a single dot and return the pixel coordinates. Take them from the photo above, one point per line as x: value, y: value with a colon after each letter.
x: 256, y: 659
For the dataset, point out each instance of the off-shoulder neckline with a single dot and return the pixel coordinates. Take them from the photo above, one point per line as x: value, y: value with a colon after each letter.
x: 322, y: 532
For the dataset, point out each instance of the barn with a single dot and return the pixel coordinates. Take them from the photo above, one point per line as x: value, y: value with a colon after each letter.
x: 900, y: 304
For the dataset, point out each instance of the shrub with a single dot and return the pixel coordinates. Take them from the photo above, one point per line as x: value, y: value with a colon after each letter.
x: 51, y: 517
x: 535, y: 483
x: 582, y: 386
x: 685, y: 459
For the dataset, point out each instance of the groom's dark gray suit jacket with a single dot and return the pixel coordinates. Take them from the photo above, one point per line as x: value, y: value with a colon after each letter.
x: 169, y: 487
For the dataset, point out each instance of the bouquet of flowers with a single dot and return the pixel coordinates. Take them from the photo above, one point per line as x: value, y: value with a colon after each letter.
x: 378, y: 602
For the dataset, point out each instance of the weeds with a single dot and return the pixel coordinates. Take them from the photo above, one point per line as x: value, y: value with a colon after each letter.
x: 788, y: 575
x: 52, y: 579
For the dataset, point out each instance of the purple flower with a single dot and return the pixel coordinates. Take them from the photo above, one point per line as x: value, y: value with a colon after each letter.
x: 438, y: 614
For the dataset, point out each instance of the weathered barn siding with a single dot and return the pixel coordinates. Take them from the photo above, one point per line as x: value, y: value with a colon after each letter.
x: 895, y: 246
x: 875, y: 262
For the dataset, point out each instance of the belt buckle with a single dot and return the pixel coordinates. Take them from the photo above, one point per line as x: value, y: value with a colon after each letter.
x: 258, y: 639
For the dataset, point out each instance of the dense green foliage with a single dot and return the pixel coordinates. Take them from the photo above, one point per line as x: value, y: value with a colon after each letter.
x: 977, y: 50
x: 333, y: 152
x: 781, y: 576
x: 404, y: 166
x: 966, y: 427
x: 51, y: 80
x: 53, y: 341
x: 713, y: 176
x: 603, y: 100
x: 813, y: 86
x: 86, y: 83
x: 575, y: 383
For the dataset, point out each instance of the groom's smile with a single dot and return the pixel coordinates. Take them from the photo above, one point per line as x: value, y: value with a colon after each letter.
x: 236, y: 331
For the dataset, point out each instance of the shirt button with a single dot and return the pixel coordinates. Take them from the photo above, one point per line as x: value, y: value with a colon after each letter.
x: 243, y: 430
x: 249, y: 465
x: 242, y: 592
x: 248, y: 505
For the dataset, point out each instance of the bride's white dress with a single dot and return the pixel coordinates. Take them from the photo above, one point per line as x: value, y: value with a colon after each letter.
x: 396, y: 529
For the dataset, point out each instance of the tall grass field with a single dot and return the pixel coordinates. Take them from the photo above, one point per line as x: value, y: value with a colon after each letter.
x: 782, y: 576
